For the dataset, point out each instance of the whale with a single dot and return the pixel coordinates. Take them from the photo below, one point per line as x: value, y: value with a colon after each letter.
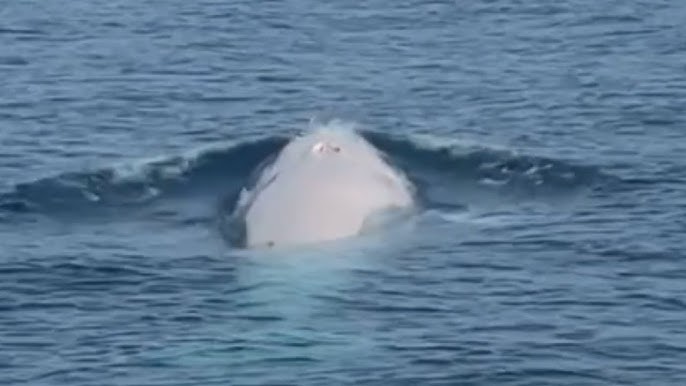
x: 325, y: 185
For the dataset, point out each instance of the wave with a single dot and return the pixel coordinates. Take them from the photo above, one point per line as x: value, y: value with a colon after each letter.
x: 454, y: 175
x: 142, y: 182
x: 468, y: 175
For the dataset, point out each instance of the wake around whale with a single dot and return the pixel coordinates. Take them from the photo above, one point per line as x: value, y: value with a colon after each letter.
x: 328, y: 184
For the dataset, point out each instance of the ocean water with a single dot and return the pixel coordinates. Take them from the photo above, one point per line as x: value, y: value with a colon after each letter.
x: 547, y: 141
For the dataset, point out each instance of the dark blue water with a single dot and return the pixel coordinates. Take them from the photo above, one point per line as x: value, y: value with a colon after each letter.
x: 547, y: 140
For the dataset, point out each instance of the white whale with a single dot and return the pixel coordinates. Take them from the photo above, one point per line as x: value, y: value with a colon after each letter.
x: 326, y: 185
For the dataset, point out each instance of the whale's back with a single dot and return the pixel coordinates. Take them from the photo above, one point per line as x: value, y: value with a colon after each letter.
x: 322, y: 187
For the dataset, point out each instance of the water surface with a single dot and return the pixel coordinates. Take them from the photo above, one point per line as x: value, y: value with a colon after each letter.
x: 547, y: 142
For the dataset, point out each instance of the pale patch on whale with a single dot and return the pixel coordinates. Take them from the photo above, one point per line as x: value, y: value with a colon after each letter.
x: 326, y: 185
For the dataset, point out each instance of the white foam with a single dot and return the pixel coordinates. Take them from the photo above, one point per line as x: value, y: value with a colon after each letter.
x: 457, y: 144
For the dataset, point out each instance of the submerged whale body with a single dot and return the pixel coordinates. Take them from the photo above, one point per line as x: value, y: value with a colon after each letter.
x: 326, y: 185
